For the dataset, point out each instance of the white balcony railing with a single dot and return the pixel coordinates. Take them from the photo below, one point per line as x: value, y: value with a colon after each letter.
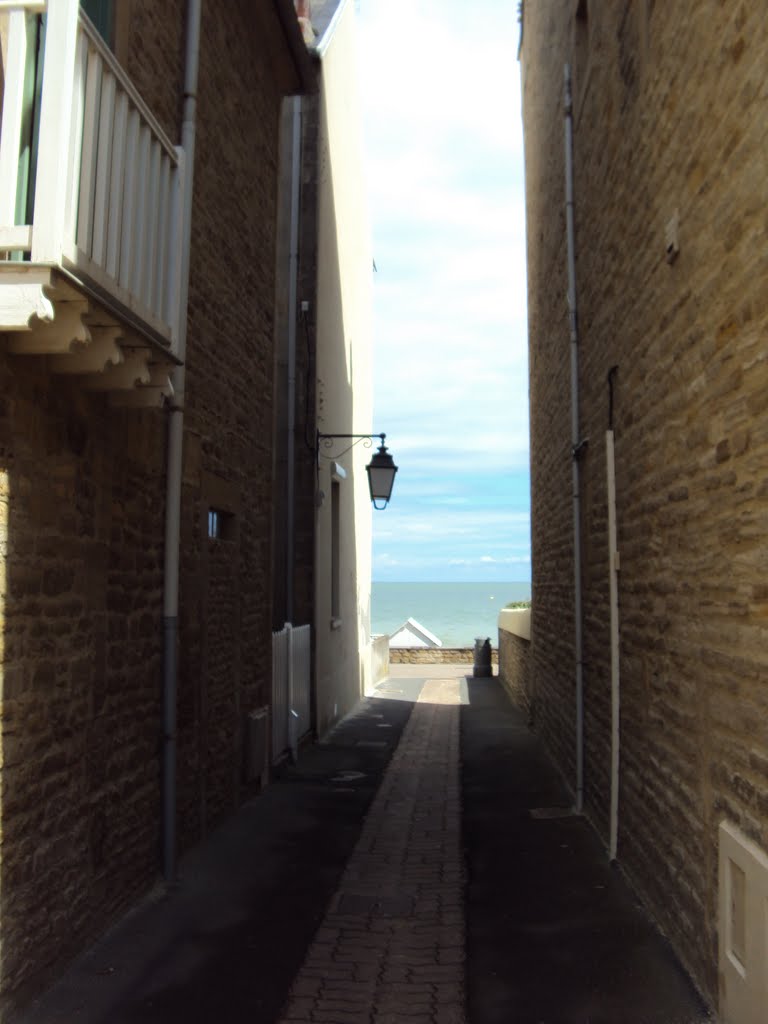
x: 82, y: 151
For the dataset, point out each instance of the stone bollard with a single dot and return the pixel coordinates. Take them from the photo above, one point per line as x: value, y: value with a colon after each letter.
x: 482, y: 666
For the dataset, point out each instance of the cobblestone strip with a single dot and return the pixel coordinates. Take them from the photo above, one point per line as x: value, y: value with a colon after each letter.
x: 391, y: 947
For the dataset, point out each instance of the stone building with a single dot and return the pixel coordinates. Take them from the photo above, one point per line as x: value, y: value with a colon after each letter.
x: 648, y: 648
x: 324, y: 366
x: 140, y: 158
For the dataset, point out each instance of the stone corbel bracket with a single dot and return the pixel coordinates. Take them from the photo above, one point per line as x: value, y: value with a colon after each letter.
x: 22, y: 302
x: 44, y: 314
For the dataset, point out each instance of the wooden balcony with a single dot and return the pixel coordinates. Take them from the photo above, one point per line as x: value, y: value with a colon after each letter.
x: 91, y: 228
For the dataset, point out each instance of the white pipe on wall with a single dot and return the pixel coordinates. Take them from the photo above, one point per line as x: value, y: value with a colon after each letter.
x: 576, y: 442
x: 175, y: 449
x: 613, y: 571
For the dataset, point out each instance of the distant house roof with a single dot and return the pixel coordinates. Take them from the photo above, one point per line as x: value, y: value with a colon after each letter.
x: 413, y: 634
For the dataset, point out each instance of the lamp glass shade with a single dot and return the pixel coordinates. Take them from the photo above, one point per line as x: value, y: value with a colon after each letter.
x: 381, y: 476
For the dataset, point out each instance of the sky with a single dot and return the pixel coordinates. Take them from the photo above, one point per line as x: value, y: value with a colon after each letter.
x: 440, y: 86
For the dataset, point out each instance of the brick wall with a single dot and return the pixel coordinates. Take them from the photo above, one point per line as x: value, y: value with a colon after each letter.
x: 668, y: 120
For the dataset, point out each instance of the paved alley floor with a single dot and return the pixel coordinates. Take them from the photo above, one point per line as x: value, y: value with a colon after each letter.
x: 391, y: 946
x: 554, y: 935
x: 420, y: 865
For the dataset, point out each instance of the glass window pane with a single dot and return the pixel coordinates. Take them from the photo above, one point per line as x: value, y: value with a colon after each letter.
x: 101, y: 13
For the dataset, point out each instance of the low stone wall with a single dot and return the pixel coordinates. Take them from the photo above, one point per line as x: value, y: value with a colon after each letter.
x: 436, y: 656
x: 515, y: 668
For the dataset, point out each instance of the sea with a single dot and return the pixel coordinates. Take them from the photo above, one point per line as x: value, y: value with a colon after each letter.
x: 457, y: 613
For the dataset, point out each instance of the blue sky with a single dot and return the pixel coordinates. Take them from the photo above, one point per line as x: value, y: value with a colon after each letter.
x: 444, y: 159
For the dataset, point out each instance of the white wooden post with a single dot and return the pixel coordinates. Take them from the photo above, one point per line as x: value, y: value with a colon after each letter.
x: 172, y: 298
x: 157, y: 299
x: 89, y: 152
x: 73, y: 169
x: 52, y: 187
x: 151, y: 239
x: 116, y: 188
x: 128, y: 229
x: 142, y: 188
x: 102, y: 190
x: 13, y: 111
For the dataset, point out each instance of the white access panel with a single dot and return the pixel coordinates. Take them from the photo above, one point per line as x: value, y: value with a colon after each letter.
x: 742, y: 928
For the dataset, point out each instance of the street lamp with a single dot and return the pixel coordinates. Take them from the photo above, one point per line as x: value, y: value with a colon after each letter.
x: 381, y: 469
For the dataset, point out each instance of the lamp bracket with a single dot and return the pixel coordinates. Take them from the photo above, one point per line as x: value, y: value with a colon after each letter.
x: 381, y: 470
x: 329, y: 440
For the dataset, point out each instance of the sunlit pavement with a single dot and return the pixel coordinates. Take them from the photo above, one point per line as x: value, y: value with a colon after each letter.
x: 420, y: 865
x: 391, y: 946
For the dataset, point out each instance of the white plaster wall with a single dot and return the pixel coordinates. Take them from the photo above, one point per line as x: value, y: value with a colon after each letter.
x: 344, y: 384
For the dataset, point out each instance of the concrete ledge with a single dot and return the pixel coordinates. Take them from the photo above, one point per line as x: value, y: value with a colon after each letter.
x: 516, y: 621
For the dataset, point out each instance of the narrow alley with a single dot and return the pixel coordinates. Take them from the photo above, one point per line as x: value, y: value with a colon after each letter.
x: 420, y: 865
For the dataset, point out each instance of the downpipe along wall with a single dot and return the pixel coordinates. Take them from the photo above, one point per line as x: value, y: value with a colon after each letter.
x: 577, y: 444
x: 175, y: 451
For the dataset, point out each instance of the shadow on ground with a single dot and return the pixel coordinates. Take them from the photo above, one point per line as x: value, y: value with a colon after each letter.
x: 226, y: 944
x: 553, y: 933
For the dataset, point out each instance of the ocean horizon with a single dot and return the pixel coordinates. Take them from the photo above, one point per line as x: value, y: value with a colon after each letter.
x: 457, y: 613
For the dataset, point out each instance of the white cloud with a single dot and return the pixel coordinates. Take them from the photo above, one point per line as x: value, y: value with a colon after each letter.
x: 441, y: 101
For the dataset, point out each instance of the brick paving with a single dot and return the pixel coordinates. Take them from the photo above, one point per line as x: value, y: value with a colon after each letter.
x: 391, y: 947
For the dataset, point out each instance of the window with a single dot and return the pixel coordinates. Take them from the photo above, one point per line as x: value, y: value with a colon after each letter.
x: 102, y: 14
x: 30, y: 125
x: 220, y: 524
x: 111, y: 20
x: 581, y: 49
x: 338, y: 475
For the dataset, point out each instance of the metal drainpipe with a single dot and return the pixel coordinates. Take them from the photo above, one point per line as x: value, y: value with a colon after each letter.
x: 293, y: 274
x: 613, y: 569
x: 576, y: 442
x: 613, y: 582
x: 174, y: 470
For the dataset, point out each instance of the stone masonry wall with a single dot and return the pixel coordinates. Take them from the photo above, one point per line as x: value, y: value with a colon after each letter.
x: 515, y: 667
x: 669, y: 124
x: 82, y: 506
x: 436, y: 656
x: 226, y: 583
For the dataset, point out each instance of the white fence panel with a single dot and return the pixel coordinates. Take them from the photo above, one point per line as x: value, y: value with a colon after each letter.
x: 291, y: 696
x: 301, y: 719
x: 279, y: 693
